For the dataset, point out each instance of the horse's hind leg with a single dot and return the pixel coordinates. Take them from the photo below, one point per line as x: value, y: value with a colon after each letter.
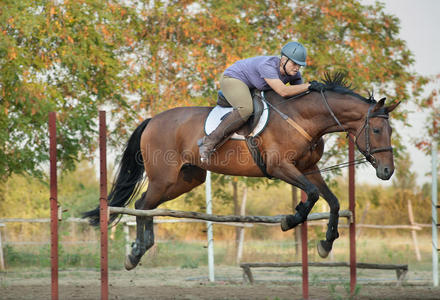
x: 158, y: 192
x: 325, y: 246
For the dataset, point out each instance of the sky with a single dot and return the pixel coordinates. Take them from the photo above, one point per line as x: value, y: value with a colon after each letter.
x: 420, y: 28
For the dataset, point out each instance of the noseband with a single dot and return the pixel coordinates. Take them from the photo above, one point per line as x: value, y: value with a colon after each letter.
x: 368, y: 152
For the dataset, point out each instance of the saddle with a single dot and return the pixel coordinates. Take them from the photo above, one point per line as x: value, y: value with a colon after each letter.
x: 254, y: 119
x: 251, y: 129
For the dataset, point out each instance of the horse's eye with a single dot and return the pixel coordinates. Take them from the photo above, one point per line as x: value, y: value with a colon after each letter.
x: 376, y: 130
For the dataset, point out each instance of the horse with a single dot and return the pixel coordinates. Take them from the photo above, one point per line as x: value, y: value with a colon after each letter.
x: 165, y: 148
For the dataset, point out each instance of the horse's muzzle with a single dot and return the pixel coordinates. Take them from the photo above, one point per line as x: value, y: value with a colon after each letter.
x: 384, y: 172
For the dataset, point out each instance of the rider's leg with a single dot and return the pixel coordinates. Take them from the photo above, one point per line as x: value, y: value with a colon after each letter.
x: 238, y: 95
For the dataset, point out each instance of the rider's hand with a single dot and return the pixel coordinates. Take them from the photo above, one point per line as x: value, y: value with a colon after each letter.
x: 316, y: 86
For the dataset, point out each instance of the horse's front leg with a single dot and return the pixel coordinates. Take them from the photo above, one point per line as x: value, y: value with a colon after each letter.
x: 325, y: 246
x: 290, y: 174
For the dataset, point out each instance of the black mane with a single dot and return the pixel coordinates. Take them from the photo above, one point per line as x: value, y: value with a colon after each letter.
x: 338, y: 84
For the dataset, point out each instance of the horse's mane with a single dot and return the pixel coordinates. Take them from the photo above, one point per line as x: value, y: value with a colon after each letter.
x: 339, y: 84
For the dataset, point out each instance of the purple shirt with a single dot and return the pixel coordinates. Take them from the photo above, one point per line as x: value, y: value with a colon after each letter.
x: 252, y: 72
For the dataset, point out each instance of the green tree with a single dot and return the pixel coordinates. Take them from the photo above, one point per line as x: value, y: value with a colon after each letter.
x: 430, y: 105
x: 64, y: 56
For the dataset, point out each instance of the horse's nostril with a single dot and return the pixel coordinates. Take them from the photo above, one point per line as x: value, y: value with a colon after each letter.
x: 386, y: 171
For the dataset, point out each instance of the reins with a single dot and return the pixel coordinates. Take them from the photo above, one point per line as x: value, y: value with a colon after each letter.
x: 368, y: 152
x: 339, y: 166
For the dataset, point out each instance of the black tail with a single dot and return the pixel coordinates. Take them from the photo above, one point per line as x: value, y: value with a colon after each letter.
x: 129, y: 178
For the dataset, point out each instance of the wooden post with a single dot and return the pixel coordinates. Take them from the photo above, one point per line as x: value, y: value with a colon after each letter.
x: 2, y: 260
x: 362, y: 221
x: 103, y: 211
x: 305, y: 259
x: 413, y: 231
x: 127, y: 238
x: 351, y: 207
x: 53, y: 205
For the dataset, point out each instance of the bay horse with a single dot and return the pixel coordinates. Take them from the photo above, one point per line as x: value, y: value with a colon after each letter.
x: 165, y: 148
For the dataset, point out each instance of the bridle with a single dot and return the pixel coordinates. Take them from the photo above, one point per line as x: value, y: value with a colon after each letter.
x: 368, y: 152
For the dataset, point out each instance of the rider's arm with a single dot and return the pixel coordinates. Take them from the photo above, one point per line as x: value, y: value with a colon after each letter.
x: 286, y: 90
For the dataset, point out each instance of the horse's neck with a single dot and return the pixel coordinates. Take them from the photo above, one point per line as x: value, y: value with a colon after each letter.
x: 311, y: 108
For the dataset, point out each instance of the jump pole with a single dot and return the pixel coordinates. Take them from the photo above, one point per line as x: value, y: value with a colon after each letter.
x: 103, y: 211
x: 53, y: 205
x: 304, y: 254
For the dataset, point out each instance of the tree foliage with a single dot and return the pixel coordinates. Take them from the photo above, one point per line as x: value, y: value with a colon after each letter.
x: 141, y: 57
x: 430, y: 105
x: 68, y: 57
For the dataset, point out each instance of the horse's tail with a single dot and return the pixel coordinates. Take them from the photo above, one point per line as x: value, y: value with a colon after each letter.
x: 129, y: 178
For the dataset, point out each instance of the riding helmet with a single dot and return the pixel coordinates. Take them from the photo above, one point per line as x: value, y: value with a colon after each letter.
x: 296, y: 52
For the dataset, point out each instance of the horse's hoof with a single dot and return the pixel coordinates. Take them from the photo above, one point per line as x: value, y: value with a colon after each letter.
x: 289, y: 222
x: 285, y: 224
x: 321, y: 250
x: 131, y: 262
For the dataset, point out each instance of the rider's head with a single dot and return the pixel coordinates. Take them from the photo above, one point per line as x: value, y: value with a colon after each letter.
x: 295, y: 52
x: 293, y: 56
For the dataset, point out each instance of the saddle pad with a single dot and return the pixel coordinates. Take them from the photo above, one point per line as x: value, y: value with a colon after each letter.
x: 216, y: 114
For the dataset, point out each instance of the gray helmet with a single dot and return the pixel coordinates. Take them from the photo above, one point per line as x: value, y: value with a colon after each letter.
x: 296, y: 52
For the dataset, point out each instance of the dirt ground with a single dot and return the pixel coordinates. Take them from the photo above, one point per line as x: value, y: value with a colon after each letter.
x: 177, y: 283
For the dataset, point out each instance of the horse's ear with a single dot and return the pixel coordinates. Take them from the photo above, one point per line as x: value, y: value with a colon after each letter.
x: 379, y: 104
x: 390, y: 108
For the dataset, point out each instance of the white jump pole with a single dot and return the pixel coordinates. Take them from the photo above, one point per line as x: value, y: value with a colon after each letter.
x: 209, y: 227
x: 434, y: 215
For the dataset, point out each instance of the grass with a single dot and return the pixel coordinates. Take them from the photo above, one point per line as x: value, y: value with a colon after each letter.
x: 170, y: 250
x: 192, y: 254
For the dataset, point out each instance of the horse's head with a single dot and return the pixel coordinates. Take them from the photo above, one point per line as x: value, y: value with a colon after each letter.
x: 373, y: 139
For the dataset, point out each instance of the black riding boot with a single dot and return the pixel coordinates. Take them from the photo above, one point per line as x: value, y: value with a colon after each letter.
x: 231, y: 123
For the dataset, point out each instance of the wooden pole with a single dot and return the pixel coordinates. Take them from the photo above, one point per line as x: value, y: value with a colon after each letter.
x: 364, y: 215
x: 2, y: 260
x: 53, y: 205
x: 305, y: 259
x: 413, y: 231
x: 351, y: 207
x: 127, y: 239
x: 103, y: 210
x: 216, y: 218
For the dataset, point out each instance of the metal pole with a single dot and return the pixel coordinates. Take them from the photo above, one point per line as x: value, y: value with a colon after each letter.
x: 209, y: 227
x: 351, y: 207
x: 53, y: 205
x: 304, y: 254
x: 103, y: 211
x: 434, y: 204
